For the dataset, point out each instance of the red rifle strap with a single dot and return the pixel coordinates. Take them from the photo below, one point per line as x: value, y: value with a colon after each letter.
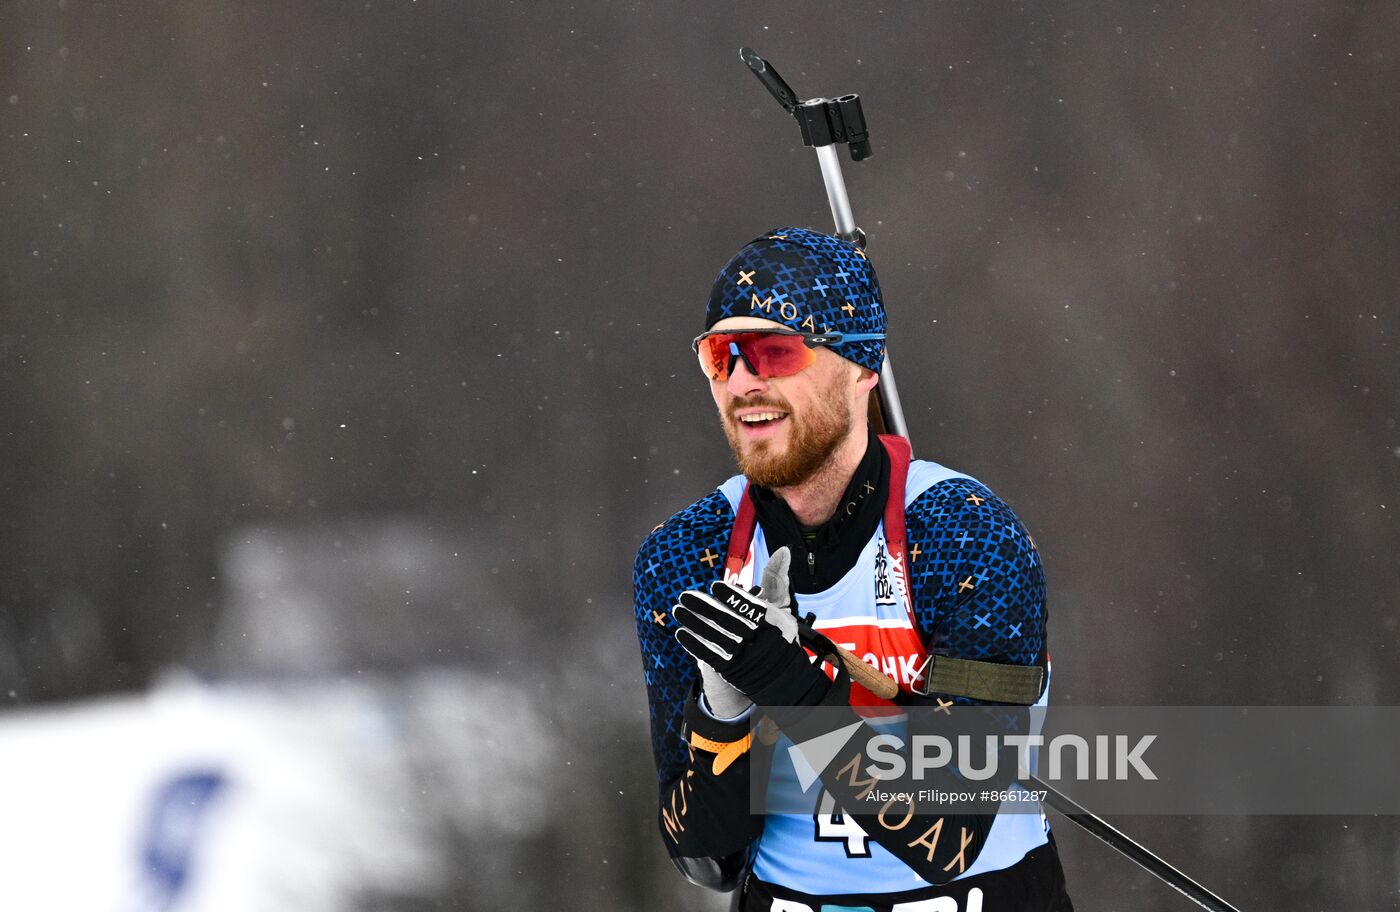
x: 741, y: 535
x: 900, y: 453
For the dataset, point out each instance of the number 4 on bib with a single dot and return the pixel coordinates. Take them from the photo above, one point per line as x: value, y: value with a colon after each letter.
x: 833, y: 826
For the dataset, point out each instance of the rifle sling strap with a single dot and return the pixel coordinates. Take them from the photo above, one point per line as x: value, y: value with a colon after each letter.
x: 990, y: 681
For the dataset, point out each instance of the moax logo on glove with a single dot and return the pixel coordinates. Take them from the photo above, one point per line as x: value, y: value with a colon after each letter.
x: 745, y: 608
x: 930, y: 752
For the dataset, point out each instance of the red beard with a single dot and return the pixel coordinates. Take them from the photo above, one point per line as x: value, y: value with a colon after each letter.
x: 811, y: 440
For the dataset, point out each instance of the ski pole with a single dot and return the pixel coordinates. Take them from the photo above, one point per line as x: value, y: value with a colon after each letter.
x: 826, y: 122
x: 1135, y: 851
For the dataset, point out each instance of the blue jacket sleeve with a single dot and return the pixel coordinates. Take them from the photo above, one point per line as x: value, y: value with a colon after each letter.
x: 977, y: 577
x: 704, y: 814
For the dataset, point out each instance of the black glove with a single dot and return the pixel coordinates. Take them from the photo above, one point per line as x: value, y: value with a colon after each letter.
x: 750, y: 638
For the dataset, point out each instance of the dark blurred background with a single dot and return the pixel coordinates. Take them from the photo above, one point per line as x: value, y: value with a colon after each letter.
x: 350, y: 341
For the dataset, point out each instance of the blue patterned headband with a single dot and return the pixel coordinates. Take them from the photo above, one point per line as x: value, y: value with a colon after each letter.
x: 808, y: 281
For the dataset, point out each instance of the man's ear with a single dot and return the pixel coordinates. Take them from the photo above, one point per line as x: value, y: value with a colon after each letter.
x: 867, y: 379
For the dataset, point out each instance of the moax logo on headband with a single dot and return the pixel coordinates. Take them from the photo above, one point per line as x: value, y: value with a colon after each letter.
x: 786, y: 309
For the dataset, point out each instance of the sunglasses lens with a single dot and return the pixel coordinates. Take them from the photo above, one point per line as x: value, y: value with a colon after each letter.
x: 770, y: 354
x: 778, y: 356
x: 714, y: 357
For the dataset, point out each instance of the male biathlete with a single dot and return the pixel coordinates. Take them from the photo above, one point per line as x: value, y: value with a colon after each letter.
x: 897, y: 560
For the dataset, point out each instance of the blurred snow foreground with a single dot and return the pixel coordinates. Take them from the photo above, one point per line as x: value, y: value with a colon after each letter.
x: 310, y: 796
x: 382, y: 739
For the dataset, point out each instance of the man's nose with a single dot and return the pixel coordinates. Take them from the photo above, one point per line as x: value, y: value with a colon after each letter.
x: 743, y: 382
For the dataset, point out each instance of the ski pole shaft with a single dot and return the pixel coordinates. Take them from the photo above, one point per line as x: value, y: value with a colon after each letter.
x: 1117, y: 839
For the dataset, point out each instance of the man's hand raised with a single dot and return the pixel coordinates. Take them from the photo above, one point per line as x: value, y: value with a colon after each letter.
x: 750, y: 639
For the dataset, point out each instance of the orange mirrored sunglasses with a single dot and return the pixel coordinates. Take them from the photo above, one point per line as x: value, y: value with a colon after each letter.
x: 767, y: 353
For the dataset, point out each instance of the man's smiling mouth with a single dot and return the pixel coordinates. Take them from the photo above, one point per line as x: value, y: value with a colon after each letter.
x: 761, y: 419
